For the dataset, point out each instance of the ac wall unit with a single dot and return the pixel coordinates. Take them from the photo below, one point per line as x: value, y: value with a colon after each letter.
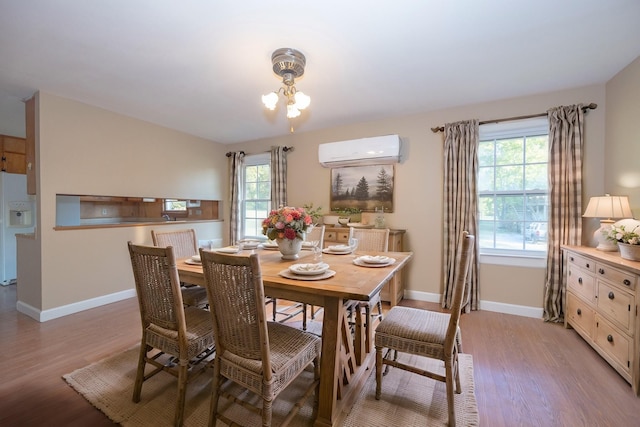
x: 376, y: 150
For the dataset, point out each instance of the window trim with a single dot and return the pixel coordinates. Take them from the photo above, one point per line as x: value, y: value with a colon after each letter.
x: 504, y: 130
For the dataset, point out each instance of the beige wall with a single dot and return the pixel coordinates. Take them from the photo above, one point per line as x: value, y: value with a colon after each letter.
x: 418, y: 184
x: 622, y: 157
x: 82, y: 149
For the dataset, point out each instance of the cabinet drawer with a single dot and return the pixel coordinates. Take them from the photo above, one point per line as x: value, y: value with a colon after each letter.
x: 329, y: 236
x: 582, y: 262
x: 618, y: 277
x: 579, y: 314
x: 582, y: 283
x: 343, y: 236
x: 617, y: 305
x: 613, y: 342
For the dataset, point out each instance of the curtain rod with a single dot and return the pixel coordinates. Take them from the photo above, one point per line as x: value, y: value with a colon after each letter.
x: 229, y: 153
x: 591, y: 106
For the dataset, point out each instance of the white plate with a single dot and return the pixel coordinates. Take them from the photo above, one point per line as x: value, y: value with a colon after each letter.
x: 269, y: 247
x: 229, y: 250
x: 289, y: 275
x: 309, y: 269
x: 339, y: 248
x: 361, y: 263
x: 196, y: 258
x: 192, y: 262
x: 329, y: 251
x: 375, y: 259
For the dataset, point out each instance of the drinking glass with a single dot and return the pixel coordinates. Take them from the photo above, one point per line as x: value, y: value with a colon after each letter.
x: 317, y: 250
x: 353, y: 244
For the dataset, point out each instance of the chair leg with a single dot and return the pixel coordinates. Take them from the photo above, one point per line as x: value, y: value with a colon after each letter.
x: 378, y: 372
x: 304, y: 317
x: 267, y: 409
x: 182, y: 391
x: 137, y: 389
x: 215, y: 394
x: 449, y: 381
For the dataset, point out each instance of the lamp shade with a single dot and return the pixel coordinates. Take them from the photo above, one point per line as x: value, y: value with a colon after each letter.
x: 608, y: 207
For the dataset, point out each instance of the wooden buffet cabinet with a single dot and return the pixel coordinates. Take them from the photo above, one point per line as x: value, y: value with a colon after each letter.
x: 602, y: 306
x: 393, y: 291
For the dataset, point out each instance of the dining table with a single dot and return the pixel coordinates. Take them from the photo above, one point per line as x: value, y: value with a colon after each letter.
x: 349, y: 279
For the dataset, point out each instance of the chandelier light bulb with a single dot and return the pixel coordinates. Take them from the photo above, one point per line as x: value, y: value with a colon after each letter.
x: 302, y: 100
x: 270, y: 100
x: 292, y: 111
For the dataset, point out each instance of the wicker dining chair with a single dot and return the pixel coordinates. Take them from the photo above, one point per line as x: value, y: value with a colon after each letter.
x: 184, y: 245
x: 263, y: 357
x: 427, y: 333
x: 175, y: 338
x: 369, y: 239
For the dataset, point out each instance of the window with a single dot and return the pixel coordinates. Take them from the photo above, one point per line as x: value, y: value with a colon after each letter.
x: 257, y: 194
x: 513, y: 188
x: 175, y: 205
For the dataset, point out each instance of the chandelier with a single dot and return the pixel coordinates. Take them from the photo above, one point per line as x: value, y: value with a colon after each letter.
x: 288, y: 64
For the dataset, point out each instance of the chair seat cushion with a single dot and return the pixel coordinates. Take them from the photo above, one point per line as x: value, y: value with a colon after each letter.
x: 291, y: 351
x: 199, y: 334
x: 414, y: 331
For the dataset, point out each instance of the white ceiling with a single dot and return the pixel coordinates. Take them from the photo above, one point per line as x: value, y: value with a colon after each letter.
x: 200, y: 66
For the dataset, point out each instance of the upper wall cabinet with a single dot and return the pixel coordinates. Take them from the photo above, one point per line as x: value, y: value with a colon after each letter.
x: 13, y: 154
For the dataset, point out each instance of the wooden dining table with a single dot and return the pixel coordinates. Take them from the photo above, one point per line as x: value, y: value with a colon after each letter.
x: 350, y: 282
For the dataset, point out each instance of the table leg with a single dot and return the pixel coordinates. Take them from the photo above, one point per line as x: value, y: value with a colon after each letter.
x: 330, y: 361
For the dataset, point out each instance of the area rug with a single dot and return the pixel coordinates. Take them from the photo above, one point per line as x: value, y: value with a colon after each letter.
x: 407, y: 399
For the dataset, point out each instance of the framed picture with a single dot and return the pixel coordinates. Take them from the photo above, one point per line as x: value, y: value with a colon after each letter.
x: 366, y: 188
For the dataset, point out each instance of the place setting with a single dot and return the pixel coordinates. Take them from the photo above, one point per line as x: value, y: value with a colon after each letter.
x: 374, y: 261
x: 308, y: 271
x: 194, y: 260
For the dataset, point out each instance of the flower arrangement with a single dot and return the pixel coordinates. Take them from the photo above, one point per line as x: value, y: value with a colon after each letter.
x: 620, y: 234
x: 287, y: 223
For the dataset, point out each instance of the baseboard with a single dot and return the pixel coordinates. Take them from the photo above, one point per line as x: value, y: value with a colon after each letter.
x: 76, y: 307
x: 499, y: 307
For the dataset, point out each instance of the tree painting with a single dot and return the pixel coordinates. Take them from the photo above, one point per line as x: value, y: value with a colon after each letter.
x: 365, y: 188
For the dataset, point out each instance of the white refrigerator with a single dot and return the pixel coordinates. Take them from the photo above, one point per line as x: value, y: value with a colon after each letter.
x: 16, y: 217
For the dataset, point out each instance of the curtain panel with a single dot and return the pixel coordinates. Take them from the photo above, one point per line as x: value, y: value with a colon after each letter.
x: 460, y: 206
x: 278, y: 177
x: 236, y: 166
x: 566, y: 134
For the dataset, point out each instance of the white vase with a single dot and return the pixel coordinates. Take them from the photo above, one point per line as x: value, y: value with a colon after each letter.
x: 289, y: 248
x: 630, y: 252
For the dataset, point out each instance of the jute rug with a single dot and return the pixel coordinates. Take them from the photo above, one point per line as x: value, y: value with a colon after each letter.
x: 407, y: 399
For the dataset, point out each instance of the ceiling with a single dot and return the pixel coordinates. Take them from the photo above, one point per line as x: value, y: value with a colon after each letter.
x: 200, y: 66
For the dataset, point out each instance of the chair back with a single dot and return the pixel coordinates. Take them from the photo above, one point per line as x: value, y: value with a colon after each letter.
x: 371, y: 239
x: 158, y: 287
x: 316, y: 233
x: 236, y: 298
x: 184, y: 242
x: 463, y: 262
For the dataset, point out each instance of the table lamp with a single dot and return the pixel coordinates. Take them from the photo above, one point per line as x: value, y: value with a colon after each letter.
x: 607, y: 207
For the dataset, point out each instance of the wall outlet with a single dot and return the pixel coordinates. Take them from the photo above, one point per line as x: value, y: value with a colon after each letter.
x: 104, y: 212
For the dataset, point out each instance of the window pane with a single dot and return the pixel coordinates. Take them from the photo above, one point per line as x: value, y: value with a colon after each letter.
x: 537, y: 149
x: 485, y: 178
x: 264, y: 190
x: 486, y: 208
x: 536, y: 177
x: 485, y: 153
x: 537, y: 208
x: 509, y: 178
x: 509, y: 151
x: 251, y: 190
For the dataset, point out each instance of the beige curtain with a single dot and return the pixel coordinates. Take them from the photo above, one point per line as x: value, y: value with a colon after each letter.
x: 460, y: 206
x: 236, y: 165
x: 566, y: 132
x: 278, y: 177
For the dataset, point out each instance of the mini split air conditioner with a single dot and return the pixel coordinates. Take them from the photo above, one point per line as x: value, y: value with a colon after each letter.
x: 376, y: 150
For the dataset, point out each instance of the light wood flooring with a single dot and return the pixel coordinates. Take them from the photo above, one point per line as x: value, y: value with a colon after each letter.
x: 527, y: 372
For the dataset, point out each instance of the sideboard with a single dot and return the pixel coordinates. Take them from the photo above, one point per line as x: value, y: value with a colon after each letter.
x: 602, y: 306
x: 393, y: 291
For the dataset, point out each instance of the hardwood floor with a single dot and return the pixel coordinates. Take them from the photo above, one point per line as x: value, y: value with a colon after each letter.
x: 527, y: 372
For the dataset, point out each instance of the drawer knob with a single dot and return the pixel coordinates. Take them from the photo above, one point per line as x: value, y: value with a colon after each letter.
x: 579, y: 312
x: 609, y: 338
x: 611, y: 295
x: 580, y: 280
x: 601, y: 270
x: 627, y: 282
x: 587, y: 265
x: 572, y: 259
